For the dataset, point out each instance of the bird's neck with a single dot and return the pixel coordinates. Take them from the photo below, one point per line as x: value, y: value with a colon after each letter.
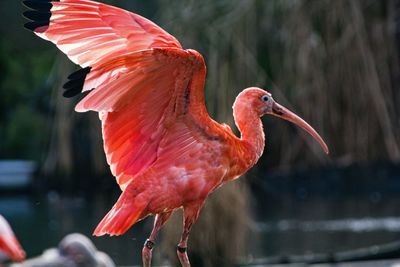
x: 250, y: 126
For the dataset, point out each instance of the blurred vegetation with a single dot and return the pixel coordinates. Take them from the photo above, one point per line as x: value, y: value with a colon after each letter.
x: 335, y: 63
x: 23, y: 112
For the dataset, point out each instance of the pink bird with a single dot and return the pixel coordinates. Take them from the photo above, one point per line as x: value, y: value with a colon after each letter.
x: 9, y: 243
x: 162, y: 146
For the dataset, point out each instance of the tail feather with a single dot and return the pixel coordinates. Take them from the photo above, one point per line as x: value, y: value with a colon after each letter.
x: 126, y: 212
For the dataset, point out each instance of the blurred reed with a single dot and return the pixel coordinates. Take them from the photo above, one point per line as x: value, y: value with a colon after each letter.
x: 333, y: 62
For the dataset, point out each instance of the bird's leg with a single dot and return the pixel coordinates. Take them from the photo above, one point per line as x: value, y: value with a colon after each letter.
x: 190, y: 215
x: 159, y: 221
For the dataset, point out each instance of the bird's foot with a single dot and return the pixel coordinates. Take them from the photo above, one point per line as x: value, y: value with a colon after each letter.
x: 182, y: 255
x: 147, y: 253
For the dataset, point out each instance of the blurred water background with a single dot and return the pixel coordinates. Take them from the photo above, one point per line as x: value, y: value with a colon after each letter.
x: 335, y: 63
x: 294, y: 214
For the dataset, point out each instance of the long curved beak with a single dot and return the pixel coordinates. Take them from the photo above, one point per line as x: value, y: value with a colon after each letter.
x: 284, y: 113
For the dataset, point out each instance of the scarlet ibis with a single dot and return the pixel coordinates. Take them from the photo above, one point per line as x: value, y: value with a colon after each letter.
x: 162, y: 146
x: 9, y: 243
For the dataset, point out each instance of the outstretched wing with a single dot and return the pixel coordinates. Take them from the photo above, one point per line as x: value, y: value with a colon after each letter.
x: 142, y: 82
x: 90, y: 32
x: 141, y: 104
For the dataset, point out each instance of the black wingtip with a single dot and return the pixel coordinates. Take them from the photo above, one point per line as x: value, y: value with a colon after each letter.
x: 76, y: 81
x: 39, y: 15
x: 80, y: 73
x: 30, y: 26
x: 38, y: 5
x: 72, y: 92
x: 35, y: 15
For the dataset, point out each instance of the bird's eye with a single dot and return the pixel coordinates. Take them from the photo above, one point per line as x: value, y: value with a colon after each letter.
x: 265, y: 98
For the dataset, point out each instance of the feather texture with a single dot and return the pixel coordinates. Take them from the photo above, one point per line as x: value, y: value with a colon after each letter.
x: 90, y: 32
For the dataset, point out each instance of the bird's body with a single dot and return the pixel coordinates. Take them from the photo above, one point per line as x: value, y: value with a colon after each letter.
x: 162, y: 146
x: 190, y: 154
x: 9, y: 243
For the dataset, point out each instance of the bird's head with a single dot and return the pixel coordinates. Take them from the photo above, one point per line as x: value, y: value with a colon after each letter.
x: 263, y: 103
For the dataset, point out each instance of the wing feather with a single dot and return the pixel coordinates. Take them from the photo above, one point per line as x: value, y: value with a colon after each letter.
x: 138, y: 96
x: 90, y: 32
x: 145, y: 87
